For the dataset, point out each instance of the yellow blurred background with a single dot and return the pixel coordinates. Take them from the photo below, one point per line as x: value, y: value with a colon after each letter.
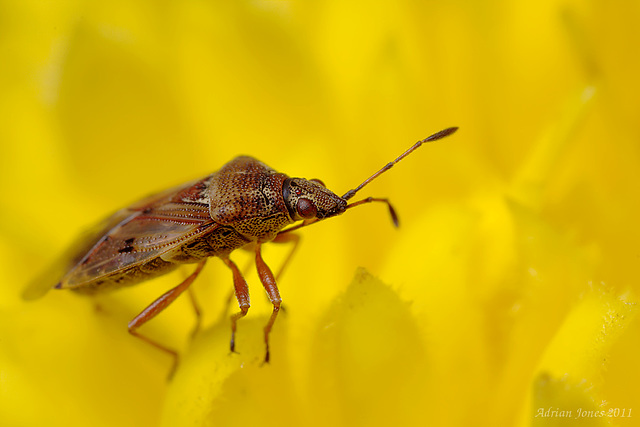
x: 506, y: 297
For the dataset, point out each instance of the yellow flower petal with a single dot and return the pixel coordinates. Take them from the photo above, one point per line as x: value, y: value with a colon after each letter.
x: 503, y: 226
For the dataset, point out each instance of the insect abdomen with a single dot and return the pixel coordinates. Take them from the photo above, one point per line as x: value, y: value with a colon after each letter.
x: 129, y: 276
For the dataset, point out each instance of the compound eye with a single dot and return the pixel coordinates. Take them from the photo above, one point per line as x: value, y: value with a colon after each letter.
x: 306, y: 209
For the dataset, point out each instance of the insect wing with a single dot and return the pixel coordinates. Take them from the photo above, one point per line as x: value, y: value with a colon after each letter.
x: 129, y: 237
x: 41, y: 284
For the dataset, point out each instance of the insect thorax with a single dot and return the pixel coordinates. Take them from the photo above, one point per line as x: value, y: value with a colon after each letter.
x: 220, y: 242
x: 246, y: 195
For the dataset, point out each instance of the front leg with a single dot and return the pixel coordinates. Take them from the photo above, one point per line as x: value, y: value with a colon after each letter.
x: 292, y: 238
x: 269, y: 283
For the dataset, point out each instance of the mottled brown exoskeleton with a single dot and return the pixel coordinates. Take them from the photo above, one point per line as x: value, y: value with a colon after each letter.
x: 243, y: 205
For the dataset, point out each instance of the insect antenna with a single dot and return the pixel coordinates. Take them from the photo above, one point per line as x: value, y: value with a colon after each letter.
x: 392, y: 211
x: 394, y: 217
x: 349, y: 194
x: 438, y: 135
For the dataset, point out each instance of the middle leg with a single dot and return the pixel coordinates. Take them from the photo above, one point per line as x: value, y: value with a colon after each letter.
x: 242, y: 295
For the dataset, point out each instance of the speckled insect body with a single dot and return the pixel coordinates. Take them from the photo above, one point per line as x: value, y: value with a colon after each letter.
x: 244, y: 202
x: 243, y: 205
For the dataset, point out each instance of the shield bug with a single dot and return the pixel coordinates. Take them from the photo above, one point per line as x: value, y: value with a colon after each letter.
x: 243, y: 205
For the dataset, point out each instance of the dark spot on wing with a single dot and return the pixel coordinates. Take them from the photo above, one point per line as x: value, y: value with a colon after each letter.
x: 129, y: 241
x: 125, y: 250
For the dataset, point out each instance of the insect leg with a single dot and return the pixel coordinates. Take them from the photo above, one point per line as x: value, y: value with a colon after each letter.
x: 196, y: 311
x: 157, y: 306
x: 242, y: 295
x: 269, y: 283
x: 286, y: 238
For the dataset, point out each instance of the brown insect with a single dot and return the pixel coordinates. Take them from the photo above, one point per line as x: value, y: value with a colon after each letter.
x: 243, y: 205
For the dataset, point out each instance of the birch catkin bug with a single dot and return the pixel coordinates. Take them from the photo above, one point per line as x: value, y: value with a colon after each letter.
x: 243, y: 205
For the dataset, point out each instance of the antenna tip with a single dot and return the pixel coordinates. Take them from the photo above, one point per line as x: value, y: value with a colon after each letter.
x: 442, y: 133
